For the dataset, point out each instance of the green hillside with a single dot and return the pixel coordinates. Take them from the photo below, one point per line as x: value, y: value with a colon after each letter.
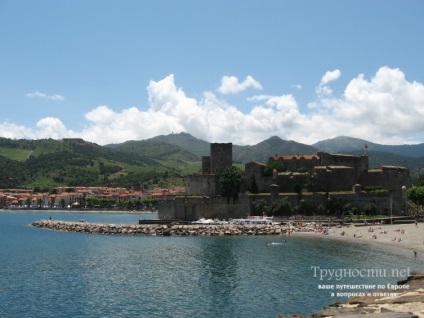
x: 48, y: 163
x: 187, y: 142
x: 160, y: 161
x: 157, y: 150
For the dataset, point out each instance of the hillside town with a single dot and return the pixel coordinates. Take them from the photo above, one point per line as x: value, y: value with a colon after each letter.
x: 85, y: 197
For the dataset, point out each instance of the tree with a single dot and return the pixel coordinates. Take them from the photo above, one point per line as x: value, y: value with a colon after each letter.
x: 278, y: 165
x: 260, y: 206
x: 416, y: 195
x: 254, y: 186
x: 307, y: 207
x: 230, y: 181
x: 281, y: 207
x: 334, y: 205
x: 419, y: 181
x: 370, y: 209
x: 349, y: 209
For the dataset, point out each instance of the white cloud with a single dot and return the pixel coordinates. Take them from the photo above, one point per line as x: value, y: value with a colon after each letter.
x: 330, y: 76
x: 101, y: 114
x: 37, y: 94
x: 231, y: 84
x: 386, y: 109
x: 47, y: 127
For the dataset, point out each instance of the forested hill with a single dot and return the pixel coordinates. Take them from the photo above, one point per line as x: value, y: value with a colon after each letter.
x: 49, y: 163
x: 160, y: 161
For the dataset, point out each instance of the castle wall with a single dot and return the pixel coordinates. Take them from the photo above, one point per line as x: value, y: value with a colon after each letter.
x: 221, y: 157
x: 200, y: 184
x: 256, y: 170
x: 288, y: 182
x: 195, y: 207
x: 358, y: 163
x: 388, y: 177
x: 334, y: 179
x: 206, y: 165
x: 392, y: 179
x: 360, y: 200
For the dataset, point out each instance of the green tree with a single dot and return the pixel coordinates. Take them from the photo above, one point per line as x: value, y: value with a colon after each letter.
x: 415, y: 194
x: 349, y: 209
x: 419, y: 181
x: 254, y: 186
x: 278, y: 165
x: 281, y: 207
x: 230, y: 181
x: 260, y: 206
x: 370, y: 209
x: 306, y: 207
x: 334, y: 205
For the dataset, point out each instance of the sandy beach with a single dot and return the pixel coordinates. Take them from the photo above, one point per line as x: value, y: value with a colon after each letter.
x: 408, y: 237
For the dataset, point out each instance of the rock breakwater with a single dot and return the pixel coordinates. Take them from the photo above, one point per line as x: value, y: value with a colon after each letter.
x: 162, y: 230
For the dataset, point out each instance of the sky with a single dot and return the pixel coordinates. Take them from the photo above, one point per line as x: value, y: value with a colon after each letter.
x: 237, y: 71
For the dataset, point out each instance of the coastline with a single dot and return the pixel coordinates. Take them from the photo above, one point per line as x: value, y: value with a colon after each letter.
x: 406, y: 237
x: 407, y: 302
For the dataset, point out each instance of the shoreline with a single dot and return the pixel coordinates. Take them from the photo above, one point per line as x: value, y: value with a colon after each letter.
x: 404, y: 237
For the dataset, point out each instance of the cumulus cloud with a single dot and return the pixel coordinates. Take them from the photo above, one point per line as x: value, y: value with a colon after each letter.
x: 47, y: 127
x: 101, y: 114
x: 231, y: 84
x: 386, y: 108
x: 37, y: 94
x: 330, y: 76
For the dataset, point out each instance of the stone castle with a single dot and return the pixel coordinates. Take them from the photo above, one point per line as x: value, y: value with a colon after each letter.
x: 343, y: 176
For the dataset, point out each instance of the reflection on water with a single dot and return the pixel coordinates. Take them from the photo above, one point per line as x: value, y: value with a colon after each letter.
x: 219, y: 271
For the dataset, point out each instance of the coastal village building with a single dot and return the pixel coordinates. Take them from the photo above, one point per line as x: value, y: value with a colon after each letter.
x: 317, y: 176
x: 72, y: 196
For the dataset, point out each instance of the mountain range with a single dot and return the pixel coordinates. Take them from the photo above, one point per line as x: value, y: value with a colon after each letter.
x: 410, y: 156
x: 163, y: 160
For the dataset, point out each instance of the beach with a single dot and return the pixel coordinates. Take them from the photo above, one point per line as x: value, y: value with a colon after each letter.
x: 408, y: 237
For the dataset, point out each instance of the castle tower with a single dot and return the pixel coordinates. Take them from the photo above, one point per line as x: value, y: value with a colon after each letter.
x: 221, y: 157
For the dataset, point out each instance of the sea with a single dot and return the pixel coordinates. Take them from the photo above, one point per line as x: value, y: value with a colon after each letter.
x: 47, y: 273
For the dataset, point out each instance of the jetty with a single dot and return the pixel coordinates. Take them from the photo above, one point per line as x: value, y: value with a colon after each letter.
x: 162, y: 229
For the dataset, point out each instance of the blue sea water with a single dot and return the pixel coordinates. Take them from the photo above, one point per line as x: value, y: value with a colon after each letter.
x: 45, y: 273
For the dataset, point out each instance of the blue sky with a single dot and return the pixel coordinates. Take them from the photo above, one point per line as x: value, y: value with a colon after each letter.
x: 223, y: 71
